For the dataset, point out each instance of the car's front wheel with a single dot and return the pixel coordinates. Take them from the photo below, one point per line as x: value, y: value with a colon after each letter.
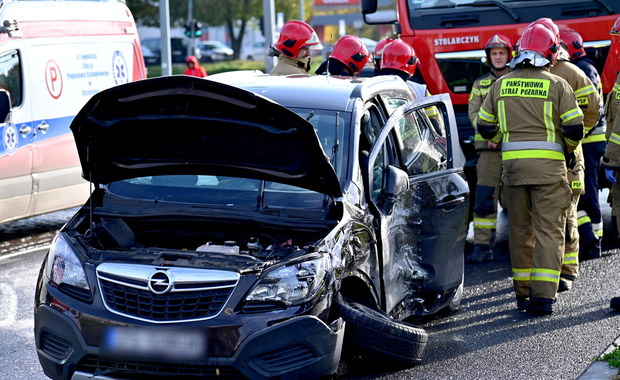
x: 374, y: 332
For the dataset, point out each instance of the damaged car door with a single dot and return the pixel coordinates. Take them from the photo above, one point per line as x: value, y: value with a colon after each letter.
x: 418, y: 189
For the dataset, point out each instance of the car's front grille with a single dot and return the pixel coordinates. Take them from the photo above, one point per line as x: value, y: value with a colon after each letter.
x: 169, y: 307
x: 155, y: 370
x: 164, y: 295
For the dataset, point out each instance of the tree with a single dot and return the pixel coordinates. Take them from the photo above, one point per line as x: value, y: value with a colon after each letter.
x: 233, y: 14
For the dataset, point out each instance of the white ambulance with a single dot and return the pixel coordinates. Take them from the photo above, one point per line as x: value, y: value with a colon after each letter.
x: 54, y: 55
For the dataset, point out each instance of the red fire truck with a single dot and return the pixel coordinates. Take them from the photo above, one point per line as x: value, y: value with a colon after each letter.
x: 449, y: 37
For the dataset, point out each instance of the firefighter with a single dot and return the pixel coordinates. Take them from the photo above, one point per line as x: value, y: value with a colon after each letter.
x: 537, y: 119
x: 293, y: 48
x: 589, y: 102
x: 498, y: 51
x: 611, y: 159
x: 400, y: 59
x: 377, y: 53
x: 590, y: 221
x: 348, y: 57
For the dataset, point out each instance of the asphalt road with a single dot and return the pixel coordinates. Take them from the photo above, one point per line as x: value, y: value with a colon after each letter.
x: 487, y: 339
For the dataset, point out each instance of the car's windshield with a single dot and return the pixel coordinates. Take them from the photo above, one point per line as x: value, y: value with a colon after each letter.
x: 332, y: 129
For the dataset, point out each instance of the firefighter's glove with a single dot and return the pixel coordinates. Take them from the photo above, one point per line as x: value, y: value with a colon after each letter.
x: 610, y: 174
x: 571, y: 161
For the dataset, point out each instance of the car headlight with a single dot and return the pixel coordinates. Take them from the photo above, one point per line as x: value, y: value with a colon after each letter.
x: 63, y: 266
x: 291, y: 284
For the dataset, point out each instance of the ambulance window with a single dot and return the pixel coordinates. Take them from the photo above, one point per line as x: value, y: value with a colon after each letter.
x: 11, y: 76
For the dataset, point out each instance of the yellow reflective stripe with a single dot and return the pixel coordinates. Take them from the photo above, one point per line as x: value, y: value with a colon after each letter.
x: 570, y: 258
x: 521, y: 274
x: 544, y: 274
x: 477, y: 137
x: 501, y: 111
x: 498, y: 138
x: 585, y: 91
x: 475, y: 91
x: 484, y: 115
x: 570, y: 115
x: 570, y: 142
x: 485, y: 223
x: 593, y: 138
x: 549, y: 126
x: 583, y: 220
x: 532, y: 153
x: 614, y: 138
x: 431, y: 111
x: 599, y: 233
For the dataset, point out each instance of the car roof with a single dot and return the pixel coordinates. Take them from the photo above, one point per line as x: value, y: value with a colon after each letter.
x: 309, y: 91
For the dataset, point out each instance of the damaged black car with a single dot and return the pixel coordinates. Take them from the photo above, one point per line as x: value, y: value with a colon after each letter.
x: 250, y: 226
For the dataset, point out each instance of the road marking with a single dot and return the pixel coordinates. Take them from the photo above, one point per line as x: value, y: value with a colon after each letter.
x: 24, y: 252
x: 8, y: 311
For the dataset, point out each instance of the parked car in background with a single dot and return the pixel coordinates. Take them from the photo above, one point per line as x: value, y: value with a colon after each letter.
x: 214, y: 51
x: 178, y: 48
x: 256, y: 52
x: 207, y: 252
x: 150, y: 58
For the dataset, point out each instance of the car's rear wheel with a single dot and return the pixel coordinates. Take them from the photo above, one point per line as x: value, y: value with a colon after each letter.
x: 375, y: 333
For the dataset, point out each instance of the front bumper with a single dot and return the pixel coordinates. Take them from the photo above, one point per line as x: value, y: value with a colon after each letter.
x: 301, y: 347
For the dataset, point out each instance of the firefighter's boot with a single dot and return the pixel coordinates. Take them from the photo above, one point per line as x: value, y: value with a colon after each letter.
x: 536, y: 305
x: 481, y: 253
x: 615, y: 303
x: 566, y: 282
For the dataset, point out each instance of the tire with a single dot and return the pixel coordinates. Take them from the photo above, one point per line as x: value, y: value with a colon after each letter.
x: 374, y: 332
x: 455, y: 302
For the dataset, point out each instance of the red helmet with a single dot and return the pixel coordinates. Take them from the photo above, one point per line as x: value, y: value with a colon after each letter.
x: 351, y: 51
x: 380, y: 46
x: 538, y: 45
x: 498, y: 40
x: 549, y: 24
x: 400, y: 56
x: 573, y: 42
x: 295, y: 35
x: 616, y: 28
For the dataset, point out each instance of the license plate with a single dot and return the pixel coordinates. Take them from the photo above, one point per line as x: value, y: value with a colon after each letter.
x: 154, y: 343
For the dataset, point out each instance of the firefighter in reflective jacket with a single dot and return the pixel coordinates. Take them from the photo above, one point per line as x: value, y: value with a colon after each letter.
x: 589, y: 102
x: 293, y: 48
x: 536, y: 117
x: 498, y: 50
x: 590, y: 221
x: 611, y: 160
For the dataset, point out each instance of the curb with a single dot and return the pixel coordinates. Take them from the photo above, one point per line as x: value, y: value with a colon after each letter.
x: 601, y: 370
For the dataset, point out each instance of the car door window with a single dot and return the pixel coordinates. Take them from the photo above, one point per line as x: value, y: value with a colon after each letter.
x: 11, y: 76
x: 424, y: 146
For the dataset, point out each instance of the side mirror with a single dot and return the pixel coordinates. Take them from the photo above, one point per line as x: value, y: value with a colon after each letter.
x: 5, y: 106
x: 368, y: 6
x: 397, y: 182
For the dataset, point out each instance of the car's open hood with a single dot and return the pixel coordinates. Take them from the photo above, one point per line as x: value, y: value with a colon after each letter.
x: 187, y: 125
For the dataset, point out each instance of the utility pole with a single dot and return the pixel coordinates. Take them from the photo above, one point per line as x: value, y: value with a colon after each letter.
x: 270, y: 22
x: 302, y: 10
x: 164, y: 43
x: 190, y: 22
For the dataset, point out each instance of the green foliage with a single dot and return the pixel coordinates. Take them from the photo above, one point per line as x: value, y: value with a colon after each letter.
x: 613, y: 358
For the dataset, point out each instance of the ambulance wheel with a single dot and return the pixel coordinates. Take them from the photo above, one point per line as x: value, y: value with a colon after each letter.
x: 374, y: 332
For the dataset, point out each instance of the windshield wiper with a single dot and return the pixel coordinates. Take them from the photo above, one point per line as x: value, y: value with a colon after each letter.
x: 498, y: 4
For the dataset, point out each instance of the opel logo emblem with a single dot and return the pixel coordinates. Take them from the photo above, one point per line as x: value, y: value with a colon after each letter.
x: 159, y: 282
